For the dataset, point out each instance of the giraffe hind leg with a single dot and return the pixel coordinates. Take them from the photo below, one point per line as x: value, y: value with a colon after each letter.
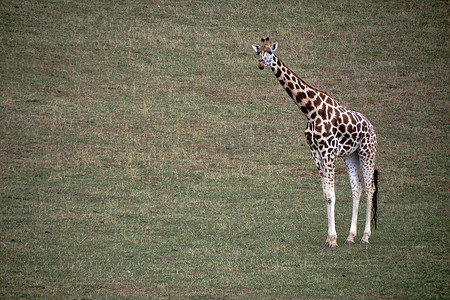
x: 352, y: 163
x: 368, y: 169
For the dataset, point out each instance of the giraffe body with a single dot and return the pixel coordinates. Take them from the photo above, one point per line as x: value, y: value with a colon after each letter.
x: 332, y: 131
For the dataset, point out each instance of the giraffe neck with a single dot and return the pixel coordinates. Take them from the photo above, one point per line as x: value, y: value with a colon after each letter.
x: 308, y: 99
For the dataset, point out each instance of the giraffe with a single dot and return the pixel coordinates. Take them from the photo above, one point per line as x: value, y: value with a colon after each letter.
x: 332, y: 131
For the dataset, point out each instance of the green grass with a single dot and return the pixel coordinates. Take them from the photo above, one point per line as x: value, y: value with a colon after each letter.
x: 143, y: 154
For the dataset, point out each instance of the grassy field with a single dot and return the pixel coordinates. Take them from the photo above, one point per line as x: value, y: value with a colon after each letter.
x: 143, y: 154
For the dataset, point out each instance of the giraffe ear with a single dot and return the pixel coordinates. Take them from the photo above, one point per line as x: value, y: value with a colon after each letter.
x: 274, y: 47
x: 256, y: 48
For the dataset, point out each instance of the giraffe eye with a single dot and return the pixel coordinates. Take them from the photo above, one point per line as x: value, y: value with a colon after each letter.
x: 270, y: 52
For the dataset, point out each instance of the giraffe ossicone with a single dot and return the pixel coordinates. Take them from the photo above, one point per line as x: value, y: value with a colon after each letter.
x: 332, y: 131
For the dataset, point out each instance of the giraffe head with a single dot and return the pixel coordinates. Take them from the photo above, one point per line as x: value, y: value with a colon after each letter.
x: 265, y: 52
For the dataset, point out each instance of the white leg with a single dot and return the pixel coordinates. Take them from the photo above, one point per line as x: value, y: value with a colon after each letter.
x: 369, y: 193
x: 332, y: 235
x: 330, y: 197
x: 368, y: 170
x: 326, y: 171
x: 352, y: 162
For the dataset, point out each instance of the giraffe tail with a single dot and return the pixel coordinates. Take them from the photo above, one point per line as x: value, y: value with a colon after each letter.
x: 375, y: 199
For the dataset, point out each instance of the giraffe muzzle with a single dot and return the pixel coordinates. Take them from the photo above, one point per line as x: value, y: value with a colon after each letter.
x: 261, y: 64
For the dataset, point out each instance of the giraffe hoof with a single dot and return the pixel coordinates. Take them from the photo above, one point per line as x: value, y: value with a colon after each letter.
x: 332, y: 244
x: 349, y: 242
x: 364, y: 242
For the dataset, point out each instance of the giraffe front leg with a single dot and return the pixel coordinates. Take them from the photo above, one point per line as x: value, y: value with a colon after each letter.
x: 326, y: 170
x: 331, y: 241
x: 330, y: 198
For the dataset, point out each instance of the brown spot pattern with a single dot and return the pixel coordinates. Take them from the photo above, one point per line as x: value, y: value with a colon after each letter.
x: 311, y: 94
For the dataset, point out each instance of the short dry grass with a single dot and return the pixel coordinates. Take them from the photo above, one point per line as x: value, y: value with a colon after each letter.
x: 143, y: 154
